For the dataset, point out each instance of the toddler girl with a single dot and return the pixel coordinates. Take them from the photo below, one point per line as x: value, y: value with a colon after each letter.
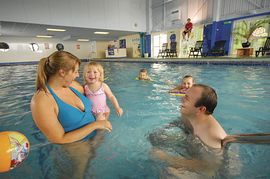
x: 97, y: 91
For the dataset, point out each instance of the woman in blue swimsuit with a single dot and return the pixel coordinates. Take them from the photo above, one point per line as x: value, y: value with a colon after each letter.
x: 63, y: 114
x: 58, y: 107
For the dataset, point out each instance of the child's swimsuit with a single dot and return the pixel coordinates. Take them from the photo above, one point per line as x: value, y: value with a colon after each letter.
x: 98, y: 100
x: 72, y: 118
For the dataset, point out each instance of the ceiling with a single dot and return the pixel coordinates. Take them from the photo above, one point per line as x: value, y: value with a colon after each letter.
x: 15, y: 29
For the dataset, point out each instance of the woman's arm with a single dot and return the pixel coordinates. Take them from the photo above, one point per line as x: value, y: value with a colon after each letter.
x: 44, y: 112
x: 113, y: 99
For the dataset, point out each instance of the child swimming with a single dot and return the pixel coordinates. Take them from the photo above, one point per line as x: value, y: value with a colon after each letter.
x: 143, y: 75
x: 97, y: 91
x: 186, y: 83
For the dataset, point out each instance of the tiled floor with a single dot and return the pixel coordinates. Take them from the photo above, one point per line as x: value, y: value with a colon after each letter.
x: 209, y: 60
x: 213, y: 60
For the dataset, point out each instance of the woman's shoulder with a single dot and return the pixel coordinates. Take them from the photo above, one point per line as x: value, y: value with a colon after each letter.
x: 77, y: 86
x: 40, y: 97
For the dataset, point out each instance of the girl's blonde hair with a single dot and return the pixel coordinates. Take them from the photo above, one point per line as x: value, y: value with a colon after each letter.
x: 49, y: 66
x: 99, y: 68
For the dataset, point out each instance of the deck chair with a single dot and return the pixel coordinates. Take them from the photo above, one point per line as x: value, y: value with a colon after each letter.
x: 197, y: 50
x: 265, y: 48
x: 217, y: 50
x: 164, y: 51
x: 173, y: 51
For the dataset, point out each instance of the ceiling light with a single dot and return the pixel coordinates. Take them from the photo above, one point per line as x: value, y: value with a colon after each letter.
x: 56, y: 30
x: 102, y: 33
x: 44, y: 36
x: 83, y: 40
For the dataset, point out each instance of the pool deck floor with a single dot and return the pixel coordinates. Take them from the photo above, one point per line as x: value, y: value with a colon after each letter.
x: 265, y: 61
x: 208, y: 60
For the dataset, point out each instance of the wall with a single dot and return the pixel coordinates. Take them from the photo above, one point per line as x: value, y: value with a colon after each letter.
x: 242, y: 26
x: 239, y: 8
x: 132, y: 43
x: 20, y: 50
x: 102, y: 14
x: 200, y: 11
x: 101, y: 47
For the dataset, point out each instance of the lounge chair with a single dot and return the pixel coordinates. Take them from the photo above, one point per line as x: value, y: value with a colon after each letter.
x: 164, y: 52
x: 217, y: 50
x: 197, y: 50
x: 173, y: 51
x: 265, y: 48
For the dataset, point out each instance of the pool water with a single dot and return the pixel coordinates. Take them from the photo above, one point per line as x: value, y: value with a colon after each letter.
x: 243, y: 107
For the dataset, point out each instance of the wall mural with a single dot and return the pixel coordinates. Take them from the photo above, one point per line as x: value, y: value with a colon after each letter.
x: 253, y: 30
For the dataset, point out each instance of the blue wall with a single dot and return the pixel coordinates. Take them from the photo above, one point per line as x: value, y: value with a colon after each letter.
x: 221, y: 30
x: 148, y: 45
x: 207, y: 31
x: 217, y: 31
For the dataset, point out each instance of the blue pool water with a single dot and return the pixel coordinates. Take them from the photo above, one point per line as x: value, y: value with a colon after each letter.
x: 243, y: 107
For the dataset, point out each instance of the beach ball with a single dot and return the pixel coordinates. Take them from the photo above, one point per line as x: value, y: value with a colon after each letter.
x: 14, y: 149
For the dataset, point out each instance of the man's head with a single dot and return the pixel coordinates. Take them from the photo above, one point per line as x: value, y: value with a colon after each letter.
x: 199, y: 98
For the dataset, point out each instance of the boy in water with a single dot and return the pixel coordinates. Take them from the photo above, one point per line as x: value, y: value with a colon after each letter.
x: 143, y: 75
x: 187, y: 82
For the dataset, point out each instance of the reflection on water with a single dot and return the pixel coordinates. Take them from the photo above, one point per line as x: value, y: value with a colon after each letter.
x: 243, y: 107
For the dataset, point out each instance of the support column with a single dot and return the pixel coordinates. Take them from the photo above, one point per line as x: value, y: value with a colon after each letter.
x: 142, y: 44
x: 149, y: 16
x: 216, y: 17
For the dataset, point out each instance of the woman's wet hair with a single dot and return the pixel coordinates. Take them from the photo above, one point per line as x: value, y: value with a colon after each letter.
x: 208, y: 98
x: 47, y: 67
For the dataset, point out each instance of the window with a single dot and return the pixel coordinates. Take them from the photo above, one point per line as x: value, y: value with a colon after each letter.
x: 4, y: 47
x: 34, y: 47
x: 158, y: 40
x: 122, y: 43
x: 60, y: 47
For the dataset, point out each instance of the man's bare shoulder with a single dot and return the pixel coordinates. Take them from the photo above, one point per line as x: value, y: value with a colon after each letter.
x: 216, y: 130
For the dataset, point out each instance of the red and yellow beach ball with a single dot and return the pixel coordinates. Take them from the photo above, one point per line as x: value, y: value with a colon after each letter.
x: 14, y: 149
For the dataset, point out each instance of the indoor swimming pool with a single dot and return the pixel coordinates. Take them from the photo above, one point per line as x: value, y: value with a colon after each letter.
x: 126, y: 152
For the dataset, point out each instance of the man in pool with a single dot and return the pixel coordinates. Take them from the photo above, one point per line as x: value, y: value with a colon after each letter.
x: 196, y: 109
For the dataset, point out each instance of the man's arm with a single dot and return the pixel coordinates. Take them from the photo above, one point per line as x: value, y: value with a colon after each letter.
x: 188, y: 164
